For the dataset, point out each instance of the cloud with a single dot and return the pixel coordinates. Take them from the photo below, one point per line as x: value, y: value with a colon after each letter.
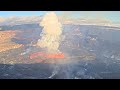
x: 85, y: 17
x: 65, y: 18
x: 13, y: 20
x: 98, y: 21
x: 2, y: 19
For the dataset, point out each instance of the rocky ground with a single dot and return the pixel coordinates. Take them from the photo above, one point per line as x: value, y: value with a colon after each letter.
x: 5, y: 40
x: 86, y: 57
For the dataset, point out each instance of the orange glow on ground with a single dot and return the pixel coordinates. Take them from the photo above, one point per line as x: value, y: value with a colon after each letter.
x: 57, y: 56
x: 46, y: 55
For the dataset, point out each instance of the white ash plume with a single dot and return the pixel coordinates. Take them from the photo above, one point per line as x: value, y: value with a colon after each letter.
x: 51, y: 33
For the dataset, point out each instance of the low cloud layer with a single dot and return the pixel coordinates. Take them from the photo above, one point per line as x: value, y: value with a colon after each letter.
x: 14, y: 20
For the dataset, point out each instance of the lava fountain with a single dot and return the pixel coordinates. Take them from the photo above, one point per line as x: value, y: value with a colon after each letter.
x: 50, y: 37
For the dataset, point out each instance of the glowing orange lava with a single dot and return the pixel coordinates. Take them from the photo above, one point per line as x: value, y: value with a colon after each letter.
x: 61, y: 55
x: 46, y: 55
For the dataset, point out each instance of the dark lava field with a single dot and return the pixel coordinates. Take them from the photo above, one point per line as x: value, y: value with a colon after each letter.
x: 91, y: 52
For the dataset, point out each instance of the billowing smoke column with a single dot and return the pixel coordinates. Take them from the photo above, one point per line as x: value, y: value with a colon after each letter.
x: 51, y: 33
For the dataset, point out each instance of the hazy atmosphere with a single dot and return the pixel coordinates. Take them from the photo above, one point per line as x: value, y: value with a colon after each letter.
x: 59, y: 44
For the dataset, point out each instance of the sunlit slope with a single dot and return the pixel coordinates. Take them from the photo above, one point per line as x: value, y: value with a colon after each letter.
x: 5, y: 40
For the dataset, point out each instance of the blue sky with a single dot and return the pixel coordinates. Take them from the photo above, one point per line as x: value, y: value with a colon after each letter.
x: 22, y: 13
x: 114, y: 16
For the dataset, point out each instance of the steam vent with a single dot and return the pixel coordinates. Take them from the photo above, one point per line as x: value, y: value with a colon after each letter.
x: 50, y: 38
x: 50, y: 42
x: 59, y: 45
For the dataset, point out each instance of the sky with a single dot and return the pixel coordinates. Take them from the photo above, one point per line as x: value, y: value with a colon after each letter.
x: 114, y: 16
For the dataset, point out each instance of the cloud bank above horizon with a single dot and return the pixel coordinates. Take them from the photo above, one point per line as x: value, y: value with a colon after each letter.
x: 72, y: 17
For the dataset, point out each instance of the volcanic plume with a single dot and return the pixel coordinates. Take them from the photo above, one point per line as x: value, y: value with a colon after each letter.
x: 51, y: 33
x: 50, y: 37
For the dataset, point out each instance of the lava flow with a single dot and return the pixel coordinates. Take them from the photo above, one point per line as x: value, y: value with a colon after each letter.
x: 50, y: 39
x: 46, y: 55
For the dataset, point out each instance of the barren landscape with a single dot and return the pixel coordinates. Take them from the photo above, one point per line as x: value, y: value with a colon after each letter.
x: 84, y: 56
x: 59, y: 46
